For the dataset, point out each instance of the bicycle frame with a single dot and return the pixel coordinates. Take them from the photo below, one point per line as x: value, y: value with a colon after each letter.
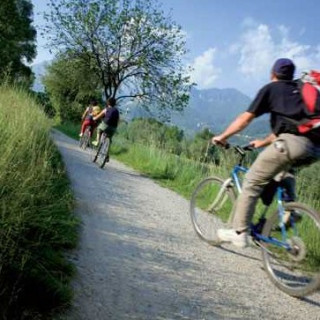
x: 235, y: 178
x: 253, y: 228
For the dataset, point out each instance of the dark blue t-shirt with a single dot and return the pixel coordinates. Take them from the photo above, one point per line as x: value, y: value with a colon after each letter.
x: 282, y: 99
x: 111, y: 117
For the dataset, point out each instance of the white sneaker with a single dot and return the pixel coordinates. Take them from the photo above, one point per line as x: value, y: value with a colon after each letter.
x: 81, y: 134
x: 230, y: 235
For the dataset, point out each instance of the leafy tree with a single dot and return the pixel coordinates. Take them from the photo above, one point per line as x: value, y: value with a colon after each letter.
x: 43, y: 100
x: 149, y: 131
x: 200, y: 148
x: 17, y: 39
x: 135, y: 51
x: 70, y: 85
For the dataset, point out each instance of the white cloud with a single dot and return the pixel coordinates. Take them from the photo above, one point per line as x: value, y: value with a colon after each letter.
x: 205, y: 72
x: 260, y: 46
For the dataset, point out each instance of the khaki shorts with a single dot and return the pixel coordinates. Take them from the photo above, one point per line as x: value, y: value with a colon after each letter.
x: 110, y: 131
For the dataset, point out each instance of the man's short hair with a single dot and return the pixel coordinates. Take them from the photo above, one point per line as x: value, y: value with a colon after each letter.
x: 284, y: 69
x: 94, y: 102
x: 112, y: 102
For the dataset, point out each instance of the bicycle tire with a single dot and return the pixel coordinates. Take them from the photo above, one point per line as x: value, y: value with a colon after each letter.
x: 304, y: 258
x: 104, y: 152
x: 85, y: 139
x: 208, y: 213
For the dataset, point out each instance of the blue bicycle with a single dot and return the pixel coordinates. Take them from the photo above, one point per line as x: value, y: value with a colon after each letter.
x: 289, y: 237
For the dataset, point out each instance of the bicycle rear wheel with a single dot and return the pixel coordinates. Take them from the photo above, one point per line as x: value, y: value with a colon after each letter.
x: 81, y: 141
x: 295, y: 271
x: 104, y: 152
x: 85, y: 139
x: 98, y: 150
x: 211, y: 208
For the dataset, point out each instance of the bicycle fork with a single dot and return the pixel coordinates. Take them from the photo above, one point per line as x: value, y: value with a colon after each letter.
x: 221, y: 196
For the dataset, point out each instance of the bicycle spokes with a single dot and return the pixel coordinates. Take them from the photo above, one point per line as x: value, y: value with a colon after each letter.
x: 294, y: 263
x: 211, y: 207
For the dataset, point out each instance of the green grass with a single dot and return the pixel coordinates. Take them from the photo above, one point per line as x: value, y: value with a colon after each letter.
x: 36, y: 221
x: 70, y: 129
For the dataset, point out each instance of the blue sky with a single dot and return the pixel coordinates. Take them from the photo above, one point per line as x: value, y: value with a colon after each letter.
x: 233, y: 43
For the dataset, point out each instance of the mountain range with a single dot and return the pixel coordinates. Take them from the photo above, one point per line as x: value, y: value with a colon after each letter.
x: 211, y: 108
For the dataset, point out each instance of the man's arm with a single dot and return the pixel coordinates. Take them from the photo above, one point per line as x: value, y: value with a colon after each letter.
x: 237, y: 125
x: 84, y: 114
x: 264, y: 142
x: 100, y: 115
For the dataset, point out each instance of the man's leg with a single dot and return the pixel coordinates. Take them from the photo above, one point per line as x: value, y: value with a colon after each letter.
x: 84, y: 126
x: 96, y: 142
x: 280, y: 155
x: 288, y: 182
x: 269, y: 162
x: 101, y: 127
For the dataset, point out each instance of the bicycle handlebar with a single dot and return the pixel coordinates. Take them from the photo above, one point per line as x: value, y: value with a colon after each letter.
x: 248, y: 147
x: 240, y: 149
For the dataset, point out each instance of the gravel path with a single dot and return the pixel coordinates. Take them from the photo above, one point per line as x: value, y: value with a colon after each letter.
x: 139, y: 257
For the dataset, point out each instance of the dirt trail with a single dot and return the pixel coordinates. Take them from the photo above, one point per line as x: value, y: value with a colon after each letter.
x: 139, y: 257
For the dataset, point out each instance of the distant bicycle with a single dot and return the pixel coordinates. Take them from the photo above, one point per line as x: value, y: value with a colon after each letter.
x: 85, y: 140
x: 102, y: 153
x: 289, y: 237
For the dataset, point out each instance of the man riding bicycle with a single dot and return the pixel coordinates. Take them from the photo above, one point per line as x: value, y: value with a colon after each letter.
x: 281, y: 98
x: 110, y: 119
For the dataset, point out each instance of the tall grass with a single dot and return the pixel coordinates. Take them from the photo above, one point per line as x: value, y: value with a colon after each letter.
x: 69, y: 128
x: 36, y: 223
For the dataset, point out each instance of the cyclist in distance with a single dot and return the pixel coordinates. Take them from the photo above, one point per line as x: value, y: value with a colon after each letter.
x: 282, y: 99
x: 110, y: 119
x: 87, y: 117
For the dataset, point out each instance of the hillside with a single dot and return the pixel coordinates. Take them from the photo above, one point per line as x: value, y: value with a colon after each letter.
x: 211, y: 108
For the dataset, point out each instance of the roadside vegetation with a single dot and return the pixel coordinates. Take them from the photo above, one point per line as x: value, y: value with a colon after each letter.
x: 36, y: 222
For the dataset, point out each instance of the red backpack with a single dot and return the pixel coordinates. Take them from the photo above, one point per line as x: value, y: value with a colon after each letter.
x: 310, y: 91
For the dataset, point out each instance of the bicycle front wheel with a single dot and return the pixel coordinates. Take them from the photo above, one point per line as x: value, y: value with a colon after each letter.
x: 294, y: 270
x: 211, y: 208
